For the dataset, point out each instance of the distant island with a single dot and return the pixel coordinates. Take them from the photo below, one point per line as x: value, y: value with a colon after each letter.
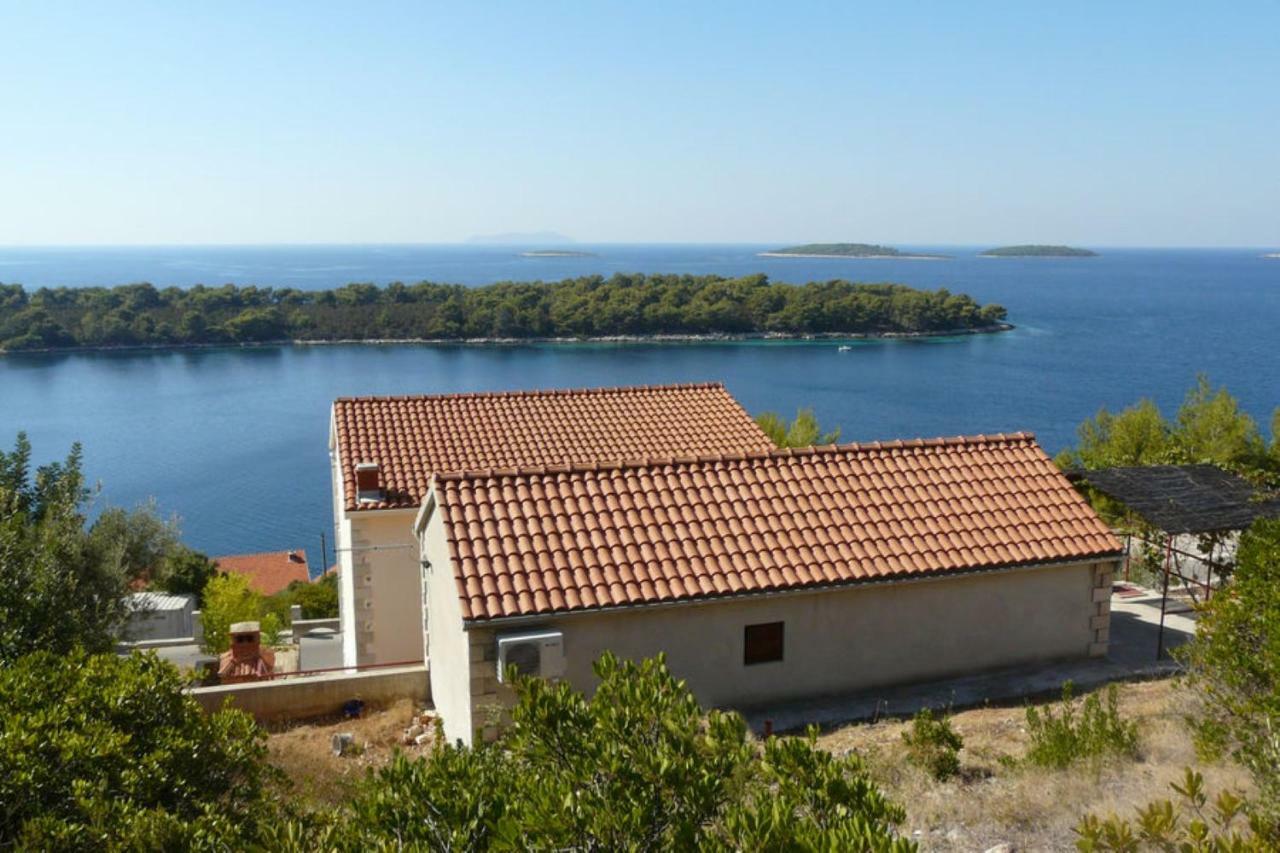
x: 1036, y: 251
x: 557, y: 253
x: 845, y: 250
x: 623, y: 307
x: 1272, y: 255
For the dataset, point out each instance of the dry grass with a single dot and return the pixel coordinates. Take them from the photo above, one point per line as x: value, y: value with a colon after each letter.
x: 304, y: 752
x: 988, y: 804
x: 1032, y: 809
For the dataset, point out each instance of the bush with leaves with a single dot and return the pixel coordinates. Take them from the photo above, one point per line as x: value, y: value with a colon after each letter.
x: 638, y: 766
x: 933, y: 744
x: 1093, y: 731
x: 1233, y: 665
x: 103, y: 752
x: 1190, y: 824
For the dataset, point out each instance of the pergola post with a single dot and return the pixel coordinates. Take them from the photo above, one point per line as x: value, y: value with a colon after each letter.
x: 1164, y: 593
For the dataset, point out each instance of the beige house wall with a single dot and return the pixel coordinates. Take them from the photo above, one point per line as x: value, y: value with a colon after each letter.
x: 836, y: 641
x: 379, y: 578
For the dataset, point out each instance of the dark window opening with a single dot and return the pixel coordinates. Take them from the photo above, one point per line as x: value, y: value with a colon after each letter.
x: 762, y: 643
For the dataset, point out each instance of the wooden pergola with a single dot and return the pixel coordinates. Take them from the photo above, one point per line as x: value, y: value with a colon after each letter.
x: 1197, y: 500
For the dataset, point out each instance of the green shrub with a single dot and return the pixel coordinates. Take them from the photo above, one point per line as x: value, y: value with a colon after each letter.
x: 1093, y: 732
x: 318, y: 599
x: 98, y: 751
x: 1233, y: 668
x: 933, y: 745
x: 1190, y: 824
x: 637, y: 766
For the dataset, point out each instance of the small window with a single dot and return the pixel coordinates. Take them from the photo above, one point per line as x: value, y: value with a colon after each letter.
x: 762, y: 643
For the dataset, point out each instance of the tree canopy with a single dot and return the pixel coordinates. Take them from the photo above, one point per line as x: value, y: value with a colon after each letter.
x: 63, y: 581
x: 1209, y: 427
x: 801, y: 432
x: 592, y: 306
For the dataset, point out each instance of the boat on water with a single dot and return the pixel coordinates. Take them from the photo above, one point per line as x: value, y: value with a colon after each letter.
x: 844, y: 348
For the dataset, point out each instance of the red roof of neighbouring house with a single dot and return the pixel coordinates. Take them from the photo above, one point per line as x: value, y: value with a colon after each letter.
x: 411, y: 438
x: 549, y: 540
x: 269, y: 572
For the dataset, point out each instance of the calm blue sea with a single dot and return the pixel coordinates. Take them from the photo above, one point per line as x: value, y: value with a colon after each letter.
x: 235, y: 441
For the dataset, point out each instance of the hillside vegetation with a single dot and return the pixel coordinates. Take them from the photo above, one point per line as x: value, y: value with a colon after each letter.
x: 592, y: 306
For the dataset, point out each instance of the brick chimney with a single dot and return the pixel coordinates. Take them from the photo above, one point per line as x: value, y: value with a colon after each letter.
x: 368, y: 482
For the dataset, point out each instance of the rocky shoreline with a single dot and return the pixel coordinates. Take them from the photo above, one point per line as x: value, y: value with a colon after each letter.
x: 714, y: 337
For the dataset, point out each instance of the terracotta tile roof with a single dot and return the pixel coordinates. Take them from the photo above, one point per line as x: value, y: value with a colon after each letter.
x: 543, y: 541
x: 410, y: 438
x: 269, y: 572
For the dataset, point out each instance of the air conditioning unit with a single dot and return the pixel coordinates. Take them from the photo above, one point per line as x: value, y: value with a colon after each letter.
x: 539, y: 653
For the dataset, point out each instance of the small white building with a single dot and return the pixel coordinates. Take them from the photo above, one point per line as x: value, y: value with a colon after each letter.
x: 159, y: 616
x: 764, y: 576
x: 385, y: 450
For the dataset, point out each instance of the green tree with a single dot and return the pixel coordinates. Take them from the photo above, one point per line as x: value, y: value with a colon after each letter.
x: 1137, y: 435
x: 186, y: 572
x: 138, y: 541
x: 801, y: 432
x: 1212, y: 428
x: 102, y: 752
x: 1233, y: 665
x: 228, y: 599
x: 59, y: 588
x: 638, y: 766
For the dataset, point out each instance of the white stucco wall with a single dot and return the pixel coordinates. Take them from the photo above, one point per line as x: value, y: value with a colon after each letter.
x: 450, y: 658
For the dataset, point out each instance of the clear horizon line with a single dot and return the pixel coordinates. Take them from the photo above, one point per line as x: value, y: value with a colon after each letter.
x: 585, y: 243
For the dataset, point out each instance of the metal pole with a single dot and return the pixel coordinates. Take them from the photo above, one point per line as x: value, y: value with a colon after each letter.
x: 1128, y: 556
x: 324, y: 554
x: 1164, y: 595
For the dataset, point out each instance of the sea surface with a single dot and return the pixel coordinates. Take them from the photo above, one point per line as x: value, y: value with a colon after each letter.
x: 235, y: 441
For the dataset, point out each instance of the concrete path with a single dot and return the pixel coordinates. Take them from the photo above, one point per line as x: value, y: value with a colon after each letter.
x: 1134, y: 632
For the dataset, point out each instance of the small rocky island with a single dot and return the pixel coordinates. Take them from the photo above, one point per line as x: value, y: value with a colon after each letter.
x: 1037, y: 251
x: 845, y: 250
x: 557, y: 253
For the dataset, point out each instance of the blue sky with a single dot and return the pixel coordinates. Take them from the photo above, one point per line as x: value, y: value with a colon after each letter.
x: 1095, y: 123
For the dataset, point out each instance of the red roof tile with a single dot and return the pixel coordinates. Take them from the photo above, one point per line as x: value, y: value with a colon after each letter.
x: 410, y: 438
x: 269, y: 572
x: 544, y: 540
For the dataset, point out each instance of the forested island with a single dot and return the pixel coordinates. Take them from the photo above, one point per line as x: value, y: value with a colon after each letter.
x: 844, y: 250
x: 1037, y: 251
x: 622, y: 306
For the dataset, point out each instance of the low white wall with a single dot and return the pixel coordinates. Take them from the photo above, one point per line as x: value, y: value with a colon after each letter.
x: 317, y: 695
